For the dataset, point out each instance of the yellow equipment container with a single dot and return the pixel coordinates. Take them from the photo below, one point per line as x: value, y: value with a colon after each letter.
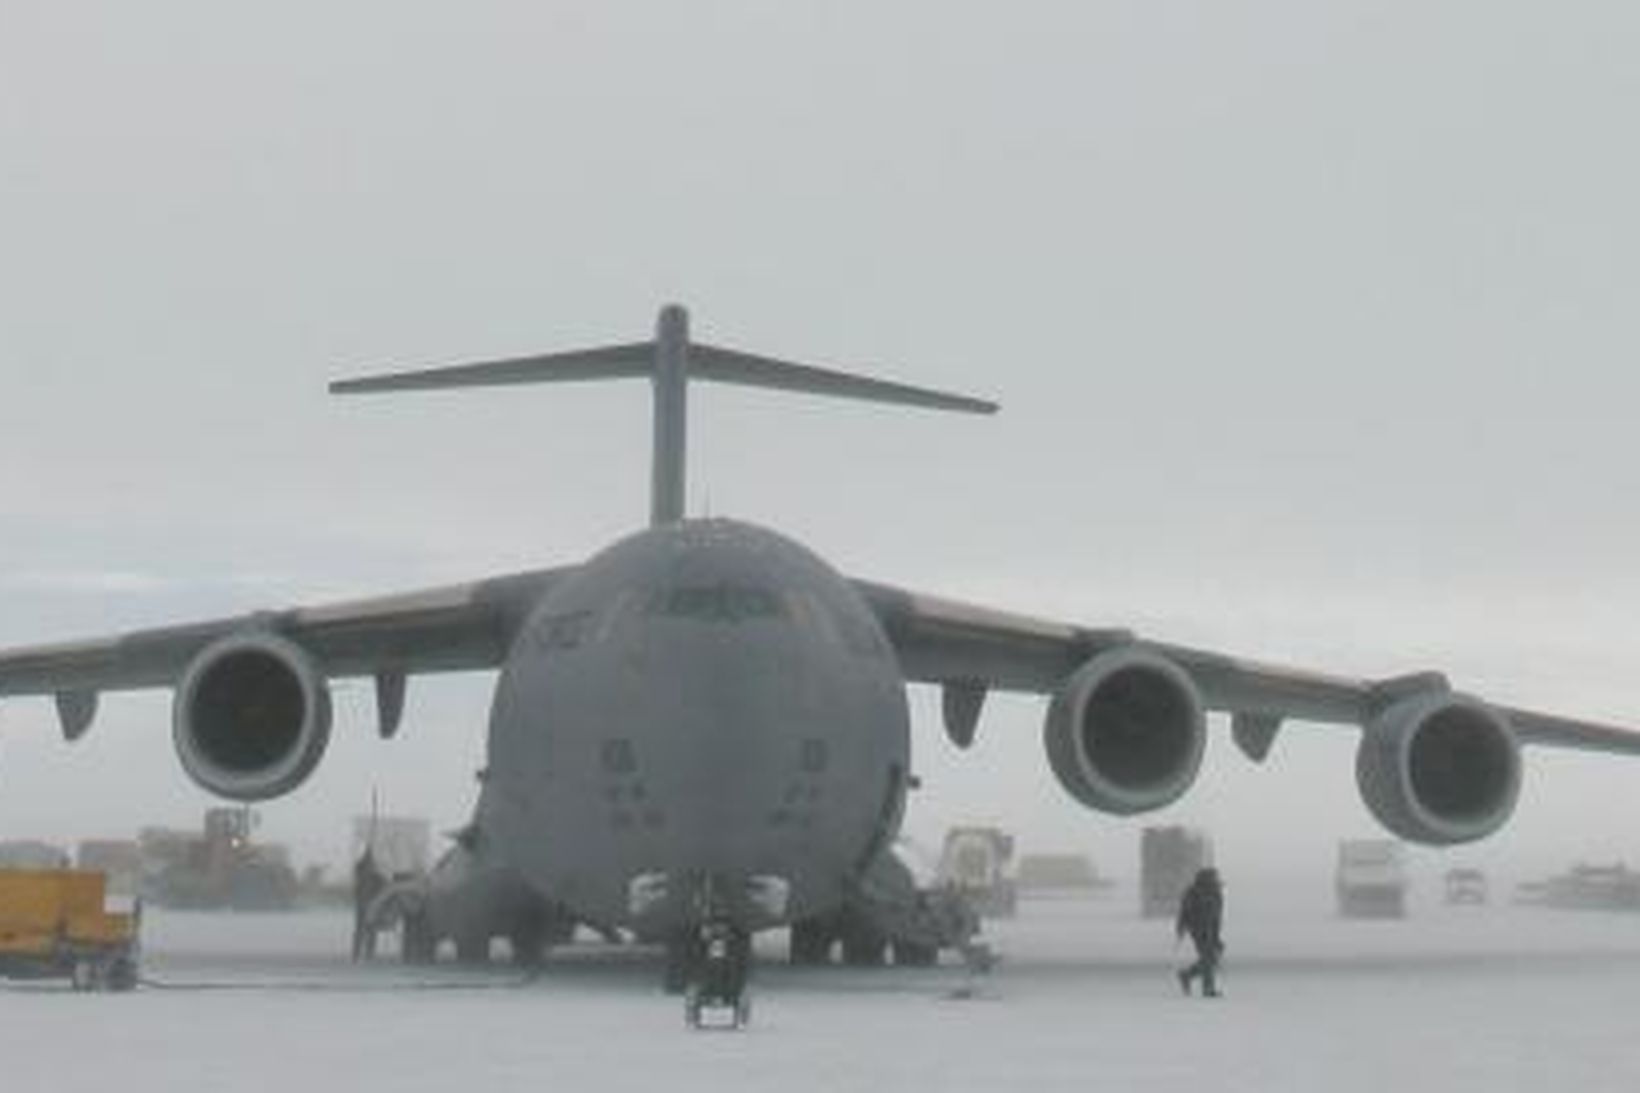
x: 53, y: 923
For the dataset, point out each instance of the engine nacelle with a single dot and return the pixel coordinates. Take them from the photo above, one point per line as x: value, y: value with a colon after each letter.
x: 252, y: 717
x: 1439, y: 769
x: 1126, y: 731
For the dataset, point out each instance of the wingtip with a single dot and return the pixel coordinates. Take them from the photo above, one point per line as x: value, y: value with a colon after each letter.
x: 969, y: 405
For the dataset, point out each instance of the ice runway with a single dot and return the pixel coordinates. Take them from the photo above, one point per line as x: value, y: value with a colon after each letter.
x: 1450, y: 999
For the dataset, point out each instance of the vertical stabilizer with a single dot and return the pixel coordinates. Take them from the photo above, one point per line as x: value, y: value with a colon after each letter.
x: 671, y: 383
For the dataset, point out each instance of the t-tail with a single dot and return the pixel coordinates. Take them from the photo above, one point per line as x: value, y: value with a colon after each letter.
x: 670, y: 361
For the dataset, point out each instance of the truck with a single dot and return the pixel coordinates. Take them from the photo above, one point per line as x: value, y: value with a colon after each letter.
x: 118, y: 860
x: 1371, y: 879
x: 1168, y: 860
x: 218, y: 867
x: 975, y: 861
x: 54, y: 924
x: 1613, y: 887
x: 1059, y: 874
x: 1466, y: 885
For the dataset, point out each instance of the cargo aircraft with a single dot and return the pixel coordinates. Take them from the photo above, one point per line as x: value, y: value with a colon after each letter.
x: 704, y: 725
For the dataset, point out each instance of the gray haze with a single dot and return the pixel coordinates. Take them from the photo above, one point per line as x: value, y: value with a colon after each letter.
x: 1313, y: 325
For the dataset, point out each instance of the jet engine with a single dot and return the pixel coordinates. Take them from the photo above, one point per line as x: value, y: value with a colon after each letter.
x: 1125, y: 732
x: 1439, y: 769
x: 252, y: 717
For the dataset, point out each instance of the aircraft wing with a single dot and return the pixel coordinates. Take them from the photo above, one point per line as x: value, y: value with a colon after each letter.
x: 966, y: 647
x: 453, y: 628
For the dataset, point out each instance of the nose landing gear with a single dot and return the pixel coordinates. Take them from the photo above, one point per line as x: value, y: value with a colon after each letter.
x: 711, y: 964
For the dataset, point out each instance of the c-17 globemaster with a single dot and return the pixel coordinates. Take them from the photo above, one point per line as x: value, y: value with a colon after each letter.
x: 704, y: 726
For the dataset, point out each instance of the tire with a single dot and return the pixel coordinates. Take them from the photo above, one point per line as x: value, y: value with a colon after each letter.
x: 911, y: 954
x: 417, y: 945
x: 682, y: 960
x: 811, y: 942
x: 864, y: 948
x: 121, y: 974
x: 473, y: 949
x: 529, y: 946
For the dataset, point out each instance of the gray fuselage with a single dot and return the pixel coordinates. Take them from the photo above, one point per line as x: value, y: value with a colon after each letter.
x: 705, y: 711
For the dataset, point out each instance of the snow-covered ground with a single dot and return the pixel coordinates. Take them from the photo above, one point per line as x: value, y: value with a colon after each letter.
x: 1450, y: 999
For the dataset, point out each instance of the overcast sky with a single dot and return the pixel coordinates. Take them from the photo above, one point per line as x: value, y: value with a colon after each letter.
x: 1314, y: 327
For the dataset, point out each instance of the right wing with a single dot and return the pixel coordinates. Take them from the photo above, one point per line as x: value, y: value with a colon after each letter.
x: 966, y: 646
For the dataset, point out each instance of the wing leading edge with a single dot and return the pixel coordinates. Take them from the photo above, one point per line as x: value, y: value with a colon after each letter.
x: 452, y: 628
x: 972, y: 649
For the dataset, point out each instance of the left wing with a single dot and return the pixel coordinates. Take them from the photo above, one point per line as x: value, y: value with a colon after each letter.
x: 970, y: 650
x: 453, y: 628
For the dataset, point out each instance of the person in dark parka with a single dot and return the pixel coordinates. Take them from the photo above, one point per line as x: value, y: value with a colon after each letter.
x: 368, y: 882
x: 1201, y: 911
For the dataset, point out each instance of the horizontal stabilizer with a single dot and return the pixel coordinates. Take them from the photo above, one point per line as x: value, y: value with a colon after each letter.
x: 709, y: 362
x: 669, y: 360
x: 637, y: 360
x: 605, y: 362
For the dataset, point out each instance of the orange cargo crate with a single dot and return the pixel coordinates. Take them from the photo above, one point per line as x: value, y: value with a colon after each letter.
x: 36, y: 903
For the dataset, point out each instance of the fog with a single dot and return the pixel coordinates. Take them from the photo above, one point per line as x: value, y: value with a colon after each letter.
x: 1471, y: 999
x: 1313, y: 329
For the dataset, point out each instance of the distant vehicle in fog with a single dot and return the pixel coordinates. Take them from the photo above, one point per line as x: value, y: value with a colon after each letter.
x: 706, y: 725
x: 1466, y: 885
x: 1371, y: 879
x: 32, y: 854
x: 119, y: 860
x: 1059, y: 873
x: 219, y: 867
x: 1169, y: 859
x: 400, y: 845
x: 1613, y: 887
x: 977, y: 861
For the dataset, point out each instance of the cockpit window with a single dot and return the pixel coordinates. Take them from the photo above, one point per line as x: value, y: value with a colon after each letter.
x: 563, y: 631
x: 853, y: 632
x: 722, y: 602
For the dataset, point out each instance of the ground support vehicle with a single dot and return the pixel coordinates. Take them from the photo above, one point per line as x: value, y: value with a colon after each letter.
x: 1371, y: 880
x: 1466, y: 886
x: 976, y: 861
x: 1613, y: 887
x: 53, y: 925
x: 1168, y: 860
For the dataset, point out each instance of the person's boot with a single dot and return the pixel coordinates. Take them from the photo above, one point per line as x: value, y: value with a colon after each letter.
x: 1183, y: 975
x: 1210, y: 985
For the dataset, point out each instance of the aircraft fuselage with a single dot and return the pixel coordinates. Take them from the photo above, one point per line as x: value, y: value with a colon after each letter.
x: 705, y: 721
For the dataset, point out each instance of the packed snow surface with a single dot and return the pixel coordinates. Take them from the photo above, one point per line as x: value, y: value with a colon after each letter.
x: 1470, y: 998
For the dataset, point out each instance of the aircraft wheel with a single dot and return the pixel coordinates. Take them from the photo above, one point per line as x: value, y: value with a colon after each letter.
x: 473, y: 949
x: 811, y: 941
x: 529, y: 946
x: 682, y: 960
x: 121, y: 974
x: 417, y: 945
x: 864, y: 948
x: 911, y: 954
